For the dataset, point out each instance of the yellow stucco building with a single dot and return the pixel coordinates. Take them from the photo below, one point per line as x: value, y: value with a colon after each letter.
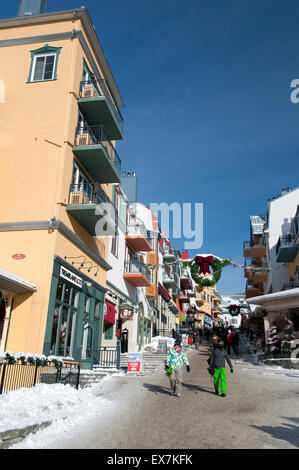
x: 60, y: 119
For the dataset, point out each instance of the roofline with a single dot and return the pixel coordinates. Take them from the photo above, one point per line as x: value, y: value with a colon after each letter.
x: 83, y: 14
x: 286, y: 294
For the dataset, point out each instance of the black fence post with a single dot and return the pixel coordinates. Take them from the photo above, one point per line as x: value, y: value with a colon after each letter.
x: 78, y: 377
x: 3, y: 376
x: 118, y: 354
x: 35, y: 375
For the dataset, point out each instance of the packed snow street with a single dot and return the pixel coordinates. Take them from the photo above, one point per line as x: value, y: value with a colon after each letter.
x: 260, y: 410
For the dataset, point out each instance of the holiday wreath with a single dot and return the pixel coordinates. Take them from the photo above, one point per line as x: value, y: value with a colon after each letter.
x: 200, y: 269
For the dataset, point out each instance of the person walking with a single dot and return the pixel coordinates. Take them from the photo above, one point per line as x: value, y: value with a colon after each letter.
x: 217, y: 363
x: 190, y: 337
x: 235, y: 343
x: 175, y: 360
x: 197, y: 339
x: 214, y: 340
x: 229, y: 340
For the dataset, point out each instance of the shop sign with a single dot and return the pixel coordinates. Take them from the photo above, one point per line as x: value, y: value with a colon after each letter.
x: 18, y: 256
x: 71, y: 277
x: 134, y: 363
x: 177, y: 320
x: 126, y: 312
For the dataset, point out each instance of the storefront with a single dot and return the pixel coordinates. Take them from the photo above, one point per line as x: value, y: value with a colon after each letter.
x: 75, y: 315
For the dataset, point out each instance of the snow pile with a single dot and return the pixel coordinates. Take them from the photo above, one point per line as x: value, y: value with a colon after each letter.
x: 62, y: 404
x: 153, y: 346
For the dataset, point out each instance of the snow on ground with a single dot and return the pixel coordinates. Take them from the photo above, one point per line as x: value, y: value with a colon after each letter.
x: 70, y: 409
x: 65, y: 406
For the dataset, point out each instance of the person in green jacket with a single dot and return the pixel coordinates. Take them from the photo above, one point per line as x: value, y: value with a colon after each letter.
x: 217, y: 362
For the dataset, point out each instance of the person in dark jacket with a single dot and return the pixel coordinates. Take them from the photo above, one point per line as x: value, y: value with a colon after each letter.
x: 217, y: 362
x: 235, y: 343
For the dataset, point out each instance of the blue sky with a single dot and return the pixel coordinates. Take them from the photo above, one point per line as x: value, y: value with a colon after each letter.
x: 208, y: 116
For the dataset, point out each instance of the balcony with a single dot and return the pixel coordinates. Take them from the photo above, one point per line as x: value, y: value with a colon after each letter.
x: 97, y: 154
x: 136, y: 237
x: 252, y: 250
x: 252, y: 291
x: 169, y: 256
x: 152, y: 291
x: 186, y: 282
x: 168, y: 279
x: 98, y: 107
x: 137, y: 274
x: 286, y: 251
x: 92, y: 209
x: 290, y: 285
x: 260, y: 275
x: 199, y: 301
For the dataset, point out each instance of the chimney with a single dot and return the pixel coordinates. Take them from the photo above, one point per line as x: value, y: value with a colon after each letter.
x: 32, y: 7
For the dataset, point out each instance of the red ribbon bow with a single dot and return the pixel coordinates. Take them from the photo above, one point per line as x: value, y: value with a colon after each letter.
x: 204, y: 262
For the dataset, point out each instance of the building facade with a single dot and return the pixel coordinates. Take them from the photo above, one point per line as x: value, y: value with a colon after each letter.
x: 60, y: 122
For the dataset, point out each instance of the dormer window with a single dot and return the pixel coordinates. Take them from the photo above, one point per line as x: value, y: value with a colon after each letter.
x: 44, y: 64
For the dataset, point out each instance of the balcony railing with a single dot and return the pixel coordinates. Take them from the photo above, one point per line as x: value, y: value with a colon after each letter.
x: 284, y: 242
x: 290, y: 285
x: 92, y: 193
x: 91, y: 88
x: 137, y: 229
x: 95, y: 135
x: 137, y: 267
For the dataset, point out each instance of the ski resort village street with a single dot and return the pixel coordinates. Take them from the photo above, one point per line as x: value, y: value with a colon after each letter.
x: 260, y: 410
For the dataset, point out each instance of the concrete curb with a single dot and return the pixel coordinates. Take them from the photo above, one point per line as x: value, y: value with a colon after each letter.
x: 13, y: 436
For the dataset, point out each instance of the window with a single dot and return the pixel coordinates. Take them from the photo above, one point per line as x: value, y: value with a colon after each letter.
x: 44, y: 64
x: 64, y: 320
x: 114, y: 245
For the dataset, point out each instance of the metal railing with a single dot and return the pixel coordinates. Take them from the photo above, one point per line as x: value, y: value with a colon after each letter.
x: 93, y: 135
x: 107, y: 356
x: 92, y: 87
x: 92, y: 193
x: 16, y: 376
x: 137, y: 229
x: 252, y: 244
x: 137, y: 267
x: 290, y: 285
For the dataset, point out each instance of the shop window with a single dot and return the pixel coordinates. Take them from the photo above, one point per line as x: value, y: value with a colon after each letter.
x: 108, y: 330
x: 62, y: 337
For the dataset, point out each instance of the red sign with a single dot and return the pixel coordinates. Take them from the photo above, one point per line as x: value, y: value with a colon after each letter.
x: 18, y: 256
x: 133, y: 366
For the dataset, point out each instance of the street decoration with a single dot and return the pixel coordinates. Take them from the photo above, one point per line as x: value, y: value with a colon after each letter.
x: 126, y: 312
x: 200, y: 267
x: 234, y: 310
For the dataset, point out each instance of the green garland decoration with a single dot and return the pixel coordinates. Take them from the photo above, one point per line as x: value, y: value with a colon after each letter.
x: 217, y: 266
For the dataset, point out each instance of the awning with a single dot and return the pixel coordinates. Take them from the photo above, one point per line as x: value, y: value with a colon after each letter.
x: 277, y: 300
x: 163, y: 292
x: 172, y: 307
x: 10, y: 282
